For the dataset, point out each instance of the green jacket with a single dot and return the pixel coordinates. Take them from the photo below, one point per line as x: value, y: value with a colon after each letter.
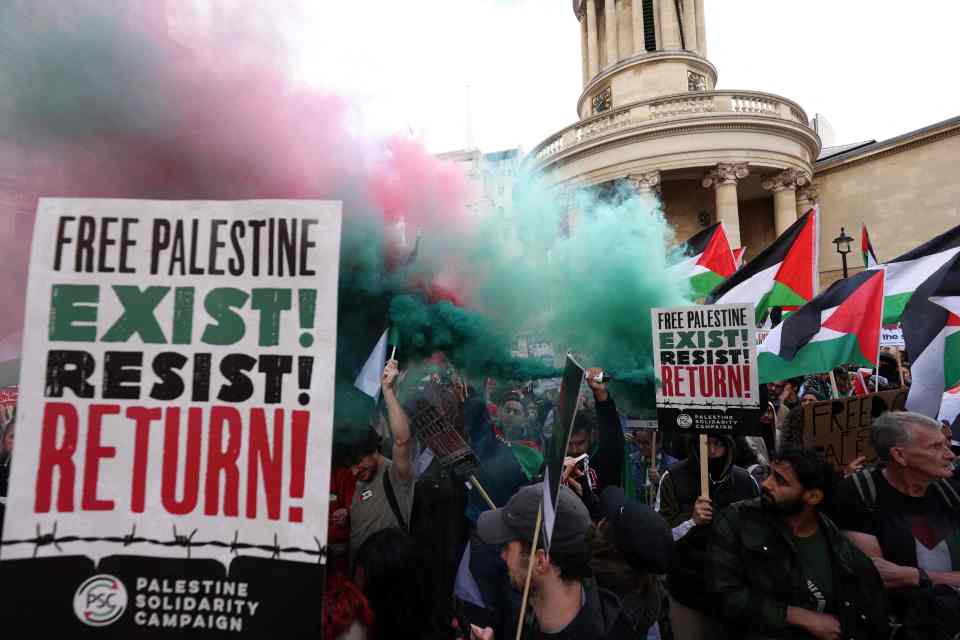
x: 753, y: 575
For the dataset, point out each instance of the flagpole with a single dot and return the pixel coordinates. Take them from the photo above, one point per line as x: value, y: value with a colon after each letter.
x: 533, y: 558
x: 883, y: 292
x: 833, y: 383
x: 903, y: 379
x: 483, y: 494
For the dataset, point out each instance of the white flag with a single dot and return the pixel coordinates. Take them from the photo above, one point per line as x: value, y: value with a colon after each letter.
x: 368, y: 380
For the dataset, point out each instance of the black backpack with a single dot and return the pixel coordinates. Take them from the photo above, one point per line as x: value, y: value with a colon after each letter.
x: 867, y: 488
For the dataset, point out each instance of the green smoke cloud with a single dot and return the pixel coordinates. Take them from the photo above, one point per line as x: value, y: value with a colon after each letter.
x: 582, y: 274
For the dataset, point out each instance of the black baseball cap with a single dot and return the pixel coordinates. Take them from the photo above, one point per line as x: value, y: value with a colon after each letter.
x: 517, y: 520
x: 641, y: 534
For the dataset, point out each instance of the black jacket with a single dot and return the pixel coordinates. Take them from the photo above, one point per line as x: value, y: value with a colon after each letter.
x: 679, y: 490
x: 753, y: 575
x: 600, y: 618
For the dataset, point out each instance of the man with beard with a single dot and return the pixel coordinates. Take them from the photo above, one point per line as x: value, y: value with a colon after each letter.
x: 564, y: 597
x: 779, y: 568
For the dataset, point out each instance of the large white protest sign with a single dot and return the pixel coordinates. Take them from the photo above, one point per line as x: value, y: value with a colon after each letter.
x: 705, y: 360
x: 176, y: 390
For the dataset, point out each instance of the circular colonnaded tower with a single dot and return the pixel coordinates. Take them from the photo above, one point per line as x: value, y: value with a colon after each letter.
x: 650, y: 115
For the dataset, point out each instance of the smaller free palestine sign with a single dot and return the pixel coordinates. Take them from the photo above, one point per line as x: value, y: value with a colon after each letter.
x: 705, y: 360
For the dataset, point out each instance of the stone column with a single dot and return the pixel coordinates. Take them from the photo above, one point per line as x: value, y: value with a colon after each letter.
x: 668, y: 25
x: 690, y: 24
x: 807, y: 198
x: 724, y: 181
x: 584, y: 50
x: 784, y: 186
x: 610, y: 26
x: 593, y: 49
x: 701, y: 28
x: 639, y: 43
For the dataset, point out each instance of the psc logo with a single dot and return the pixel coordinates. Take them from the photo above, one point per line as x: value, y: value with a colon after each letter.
x: 100, y: 600
x: 684, y: 421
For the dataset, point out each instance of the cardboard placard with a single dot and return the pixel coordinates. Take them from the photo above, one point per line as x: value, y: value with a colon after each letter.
x: 841, y: 428
x: 175, y: 419
x: 705, y: 361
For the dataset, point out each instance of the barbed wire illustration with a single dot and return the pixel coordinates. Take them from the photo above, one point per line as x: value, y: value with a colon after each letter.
x: 179, y: 540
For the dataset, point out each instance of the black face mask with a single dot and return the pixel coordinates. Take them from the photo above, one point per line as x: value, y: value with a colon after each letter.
x: 716, y: 466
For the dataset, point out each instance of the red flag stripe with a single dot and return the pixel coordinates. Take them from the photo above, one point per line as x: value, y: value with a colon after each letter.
x: 860, y: 314
x: 718, y: 257
x: 797, y: 268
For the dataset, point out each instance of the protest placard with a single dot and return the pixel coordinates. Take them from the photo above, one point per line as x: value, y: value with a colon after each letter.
x: 841, y: 428
x: 892, y: 336
x: 8, y: 403
x: 563, y: 416
x: 434, y: 417
x: 705, y: 362
x: 172, y: 458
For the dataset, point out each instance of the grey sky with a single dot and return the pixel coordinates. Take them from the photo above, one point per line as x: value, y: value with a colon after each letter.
x: 874, y: 68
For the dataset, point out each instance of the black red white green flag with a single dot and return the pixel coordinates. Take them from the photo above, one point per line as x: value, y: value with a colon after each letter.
x: 840, y: 326
x: 707, y: 260
x: 931, y: 330
x: 909, y: 271
x: 869, y: 255
x: 783, y: 275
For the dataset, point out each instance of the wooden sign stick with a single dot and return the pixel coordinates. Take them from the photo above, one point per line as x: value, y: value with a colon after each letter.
x: 526, y: 584
x: 484, y: 494
x: 903, y: 379
x: 704, y: 474
x: 653, y: 465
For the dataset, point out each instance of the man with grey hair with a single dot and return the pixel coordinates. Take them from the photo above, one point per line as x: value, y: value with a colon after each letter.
x: 905, y: 516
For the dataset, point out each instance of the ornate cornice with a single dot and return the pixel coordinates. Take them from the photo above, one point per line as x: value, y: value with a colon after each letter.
x: 726, y: 173
x: 652, y: 130
x: 788, y: 179
x: 809, y: 193
x: 649, y: 181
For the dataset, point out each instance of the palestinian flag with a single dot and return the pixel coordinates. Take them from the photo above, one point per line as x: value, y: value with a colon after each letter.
x: 707, y: 260
x: 738, y: 256
x: 869, y: 255
x: 931, y: 329
x: 783, y: 275
x: 840, y: 326
x: 906, y: 273
x: 950, y: 406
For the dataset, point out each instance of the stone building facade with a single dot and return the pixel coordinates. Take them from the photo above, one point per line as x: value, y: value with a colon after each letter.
x: 651, y: 115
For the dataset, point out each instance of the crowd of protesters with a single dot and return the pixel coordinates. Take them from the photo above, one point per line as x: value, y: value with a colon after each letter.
x: 782, y: 545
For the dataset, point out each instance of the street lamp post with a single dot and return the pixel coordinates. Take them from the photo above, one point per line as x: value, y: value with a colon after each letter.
x: 843, y: 248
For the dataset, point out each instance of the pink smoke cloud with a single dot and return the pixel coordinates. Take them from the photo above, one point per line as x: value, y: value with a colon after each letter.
x: 205, y: 122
